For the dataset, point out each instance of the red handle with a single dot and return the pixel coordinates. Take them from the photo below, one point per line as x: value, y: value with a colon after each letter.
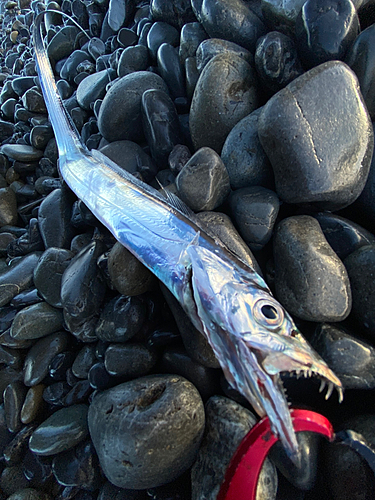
x: 242, y: 475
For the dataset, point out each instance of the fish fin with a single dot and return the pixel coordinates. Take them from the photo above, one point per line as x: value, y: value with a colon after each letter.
x: 177, y: 203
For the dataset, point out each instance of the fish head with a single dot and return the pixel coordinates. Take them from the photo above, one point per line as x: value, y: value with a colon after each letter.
x: 254, y: 339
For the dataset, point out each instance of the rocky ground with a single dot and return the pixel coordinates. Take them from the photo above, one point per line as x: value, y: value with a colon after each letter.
x: 252, y: 113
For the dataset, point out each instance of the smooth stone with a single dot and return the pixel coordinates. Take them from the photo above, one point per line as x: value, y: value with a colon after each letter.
x: 18, y: 277
x: 33, y: 404
x: 192, y: 35
x: 82, y: 286
x: 194, y: 342
x: 129, y: 360
x: 29, y: 242
x: 227, y: 423
x: 314, y: 162
x: 60, y: 364
x: 212, y: 47
x: 361, y: 58
x: 120, y: 111
x: 8, y: 376
x: 96, y: 47
x: 160, y: 124
x: 64, y: 88
x: 110, y: 492
x: 78, y: 467
x: 54, y: 219
x: 232, y: 20
x: 203, y: 183
x: 178, y: 158
x: 41, y: 354
x: 84, y: 360
x: 79, y: 393
x: 360, y: 267
x: 48, y: 274
x: 160, y: 33
x: 142, y: 40
x: 69, y: 70
x: 61, y: 431
x: 128, y: 275
x: 21, y: 152
x: 8, y: 109
x: 170, y: 69
x: 126, y: 37
x: 133, y: 59
x: 276, y: 60
x: 8, y: 207
x: 7, y: 341
x: 21, y: 84
x: 219, y: 104
x: 310, y: 280
x: 93, y: 87
x: 54, y: 394
x: 7, y: 92
x: 351, y: 359
x: 344, y: 236
x: 26, y: 298
x: 36, y: 321
x: 99, y: 378
x: 155, y: 451
x: 244, y: 157
x: 222, y: 227
x: 40, y: 135
x: 33, y: 101
x: 10, y: 357
x: 325, y: 30
x: 6, y: 130
x: 29, y: 494
x: 121, y: 319
x: 12, y: 480
x: 281, y: 15
x: 15, y: 450
x: 129, y: 155
x: 254, y: 210
x: 176, y: 13
x: 14, y: 396
x: 62, y: 44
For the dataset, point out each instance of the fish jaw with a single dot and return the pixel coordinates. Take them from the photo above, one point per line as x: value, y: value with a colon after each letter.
x: 253, y: 350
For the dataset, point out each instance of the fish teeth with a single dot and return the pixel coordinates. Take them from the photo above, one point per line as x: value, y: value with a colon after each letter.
x: 322, y: 385
x: 330, y: 390
x: 340, y: 393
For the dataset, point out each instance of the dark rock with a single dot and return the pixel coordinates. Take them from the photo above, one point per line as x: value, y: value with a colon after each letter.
x: 360, y: 267
x: 55, y: 393
x: 84, y: 361
x: 177, y: 13
x: 8, y: 207
x: 111, y: 492
x: 21, y: 84
x: 121, y: 319
x: 79, y: 393
x: 61, y: 431
x: 48, y: 274
x: 31, y: 241
x: 69, y: 69
x: 15, y: 450
x: 325, y: 30
x: 41, y: 354
x: 312, y: 161
x: 129, y: 360
x: 6, y: 130
x: 93, y: 87
x: 96, y: 47
x: 18, y: 277
x: 126, y: 37
x: 99, y: 378
x: 192, y: 34
x: 29, y: 494
x: 218, y: 104
x: 139, y: 457
x: 36, y: 321
x: 128, y: 275
x: 231, y: 20
x: 22, y: 152
x: 160, y: 125
x: 129, y: 156
x: 60, y: 364
x: 8, y: 109
x: 178, y: 158
x: 12, y: 480
x: 40, y: 135
x: 226, y: 425
x: 281, y: 16
x: 132, y: 59
x: 160, y: 33
x: 14, y: 396
x: 361, y: 58
x: 276, y: 60
x: 26, y: 298
x: 310, y: 280
x: 254, y: 211
x: 120, y: 111
x: 203, y: 183
x: 33, y: 404
x: 212, y: 47
x: 62, y: 44
x: 37, y: 469
x: 170, y: 70
x: 33, y: 101
x: 10, y: 357
x: 64, y: 88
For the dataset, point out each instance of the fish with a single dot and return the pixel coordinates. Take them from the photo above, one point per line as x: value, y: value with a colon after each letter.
x: 253, y: 337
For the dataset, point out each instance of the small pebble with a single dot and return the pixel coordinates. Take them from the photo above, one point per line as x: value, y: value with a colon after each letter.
x: 129, y: 360
x: 36, y: 321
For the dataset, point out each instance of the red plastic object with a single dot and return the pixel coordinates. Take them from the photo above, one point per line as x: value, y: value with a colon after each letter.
x: 241, y: 478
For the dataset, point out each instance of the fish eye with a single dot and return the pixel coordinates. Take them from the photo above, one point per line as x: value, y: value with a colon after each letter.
x: 268, y: 314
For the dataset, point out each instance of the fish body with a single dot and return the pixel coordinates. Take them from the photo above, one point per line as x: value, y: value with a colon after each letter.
x: 252, y: 336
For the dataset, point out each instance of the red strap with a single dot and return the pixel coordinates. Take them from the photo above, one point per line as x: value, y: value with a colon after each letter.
x: 241, y: 478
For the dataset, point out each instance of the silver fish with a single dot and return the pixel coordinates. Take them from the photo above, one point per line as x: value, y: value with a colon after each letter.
x: 252, y: 335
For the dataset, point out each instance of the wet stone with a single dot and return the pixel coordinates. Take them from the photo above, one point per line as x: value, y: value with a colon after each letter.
x: 21, y: 84
x: 160, y: 33
x: 40, y: 135
x: 178, y: 158
x: 311, y: 281
x: 6, y: 130
x: 140, y: 458
x: 70, y: 68
x: 41, y: 354
x: 312, y: 161
x: 8, y: 207
x: 54, y: 394
x: 361, y: 58
x: 60, y: 364
x: 227, y: 423
x: 18, y: 277
x: 79, y: 393
x: 8, y: 108
x: 36, y: 321
x: 33, y: 404
x: 192, y: 34
x: 133, y: 59
x: 33, y: 101
x: 121, y: 319
x: 212, y: 47
x: 10, y: 357
x: 31, y: 241
x: 170, y: 70
x: 62, y: 44
x: 26, y: 298
x: 29, y: 494
x: 282, y: 15
x: 120, y: 112
x: 15, y: 450
x: 99, y: 378
x: 160, y: 125
x: 128, y: 275
x: 93, y: 87
x: 231, y: 20
x: 5, y: 436
x: 325, y: 30
x: 218, y: 104
x: 48, y: 274
x: 203, y: 183
x: 84, y: 361
x: 14, y: 396
x: 351, y: 359
x: 177, y: 14
x: 129, y: 156
x: 360, y: 266
x: 61, y: 431
x: 129, y: 360
x: 254, y: 211
x: 54, y: 219
x: 276, y: 60
x: 13, y: 480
